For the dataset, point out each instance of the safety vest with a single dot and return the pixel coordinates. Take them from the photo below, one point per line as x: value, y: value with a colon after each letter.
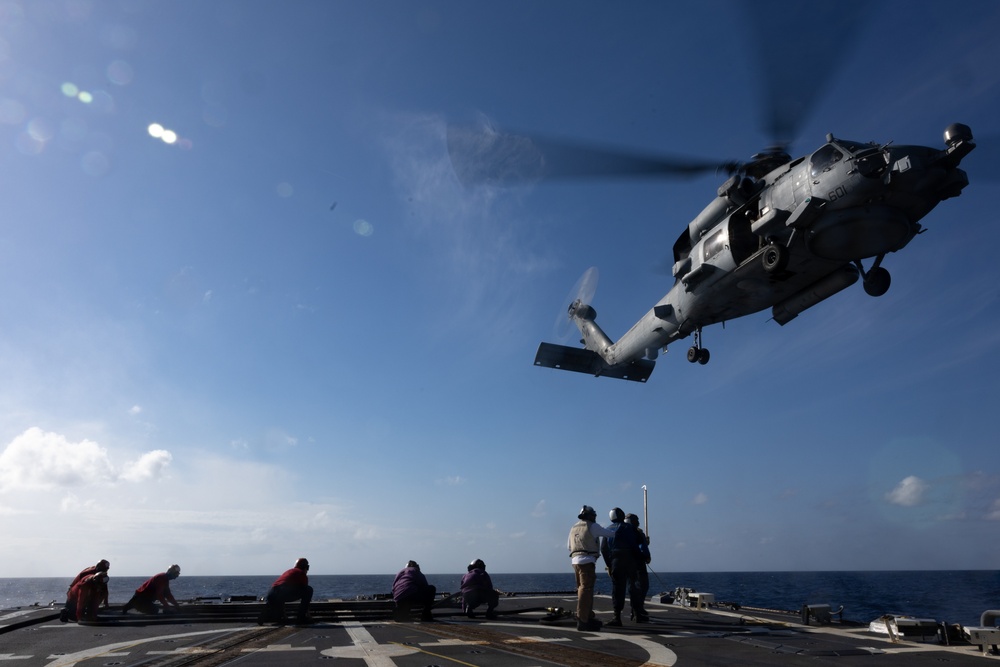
x: 582, y: 541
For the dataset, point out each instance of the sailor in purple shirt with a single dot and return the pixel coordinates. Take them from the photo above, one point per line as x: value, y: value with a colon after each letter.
x: 410, y: 589
x: 477, y: 588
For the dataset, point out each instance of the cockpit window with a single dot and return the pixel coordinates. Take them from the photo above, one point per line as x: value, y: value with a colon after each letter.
x: 825, y: 158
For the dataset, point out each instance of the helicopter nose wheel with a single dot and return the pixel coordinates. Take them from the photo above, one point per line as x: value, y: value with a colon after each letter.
x: 876, y: 280
x: 697, y: 353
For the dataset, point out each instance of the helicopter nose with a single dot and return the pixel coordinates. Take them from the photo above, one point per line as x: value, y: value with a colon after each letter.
x: 958, y: 138
x: 957, y: 132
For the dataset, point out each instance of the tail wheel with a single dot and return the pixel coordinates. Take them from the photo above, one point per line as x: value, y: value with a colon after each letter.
x: 774, y: 258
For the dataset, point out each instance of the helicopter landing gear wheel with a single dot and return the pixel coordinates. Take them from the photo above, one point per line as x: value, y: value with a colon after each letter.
x: 774, y: 258
x: 696, y: 353
x: 877, y: 281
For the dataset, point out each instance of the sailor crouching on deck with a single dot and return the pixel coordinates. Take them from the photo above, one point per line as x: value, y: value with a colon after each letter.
x: 84, y: 597
x: 155, y: 588
x: 477, y: 588
x: 292, y: 585
x: 100, y: 590
x: 584, y: 550
x: 411, y: 590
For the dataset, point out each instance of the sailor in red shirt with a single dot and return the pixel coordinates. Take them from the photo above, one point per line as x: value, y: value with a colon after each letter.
x: 87, y: 594
x: 292, y: 585
x: 102, y: 567
x: 155, y: 588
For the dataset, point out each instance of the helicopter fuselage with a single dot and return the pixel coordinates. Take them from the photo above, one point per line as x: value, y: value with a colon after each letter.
x: 784, y: 239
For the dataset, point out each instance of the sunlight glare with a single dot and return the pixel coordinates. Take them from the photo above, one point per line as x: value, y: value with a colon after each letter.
x: 363, y: 228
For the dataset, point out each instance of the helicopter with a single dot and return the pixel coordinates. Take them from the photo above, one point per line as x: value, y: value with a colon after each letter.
x: 782, y: 234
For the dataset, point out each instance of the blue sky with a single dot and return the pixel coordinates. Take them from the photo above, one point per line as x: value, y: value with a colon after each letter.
x: 206, y: 362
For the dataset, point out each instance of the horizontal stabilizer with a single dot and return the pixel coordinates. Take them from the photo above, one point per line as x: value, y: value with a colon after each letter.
x: 580, y: 360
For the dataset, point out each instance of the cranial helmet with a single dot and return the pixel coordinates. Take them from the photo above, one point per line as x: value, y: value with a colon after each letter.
x: 632, y: 519
x: 477, y: 564
x: 616, y: 515
x: 174, y: 571
x: 302, y: 564
x: 587, y: 513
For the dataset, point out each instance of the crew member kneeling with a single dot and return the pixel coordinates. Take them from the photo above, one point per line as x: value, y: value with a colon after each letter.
x: 292, y: 585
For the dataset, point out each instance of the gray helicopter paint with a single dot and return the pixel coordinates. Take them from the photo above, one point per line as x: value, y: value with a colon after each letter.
x: 846, y: 203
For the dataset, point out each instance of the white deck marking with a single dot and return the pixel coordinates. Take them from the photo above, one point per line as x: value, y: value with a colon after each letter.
x: 275, y: 648
x: 13, y: 616
x: 11, y: 656
x: 109, y: 650
x: 184, y: 650
x: 658, y: 653
x: 365, y: 647
x: 454, y: 642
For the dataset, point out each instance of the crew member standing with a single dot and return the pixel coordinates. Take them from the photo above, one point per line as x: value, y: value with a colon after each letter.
x: 292, y: 585
x: 584, y: 549
x: 155, y: 588
x: 638, y: 586
x: 621, y: 555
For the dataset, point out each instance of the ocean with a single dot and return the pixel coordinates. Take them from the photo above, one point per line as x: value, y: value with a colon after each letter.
x: 948, y: 596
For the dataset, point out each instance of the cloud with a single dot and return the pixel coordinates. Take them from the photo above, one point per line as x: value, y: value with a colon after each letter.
x: 452, y: 480
x: 994, y: 513
x: 40, y: 461
x: 539, y: 509
x: 700, y: 499
x: 909, y: 492
x: 149, y: 466
x: 71, y: 504
x: 277, y: 439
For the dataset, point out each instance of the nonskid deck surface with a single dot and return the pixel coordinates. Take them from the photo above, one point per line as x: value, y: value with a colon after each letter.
x: 525, y: 634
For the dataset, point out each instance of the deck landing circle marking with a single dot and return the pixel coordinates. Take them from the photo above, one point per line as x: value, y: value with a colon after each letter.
x: 70, y: 659
x: 658, y: 653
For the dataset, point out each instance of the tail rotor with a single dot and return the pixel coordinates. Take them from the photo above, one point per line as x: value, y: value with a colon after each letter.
x: 577, y: 303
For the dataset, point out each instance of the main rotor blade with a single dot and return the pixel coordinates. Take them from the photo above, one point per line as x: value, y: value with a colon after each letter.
x: 801, y: 47
x: 485, y: 156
